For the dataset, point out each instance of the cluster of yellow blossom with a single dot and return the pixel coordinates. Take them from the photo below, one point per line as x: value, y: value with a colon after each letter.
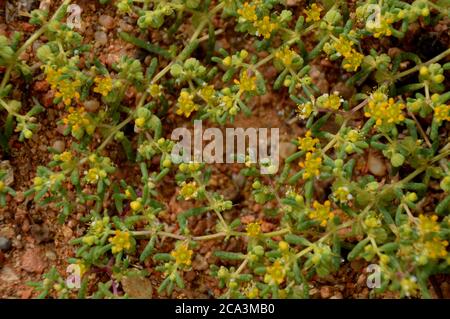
x: 275, y: 274
x: 40, y: 182
x: 312, y: 164
x: 98, y: 170
x: 442, y: 113
x: 286, y: 56
x: 252, y: 292
x: 99, y: 225
x: 307, y: 143
x: 189, y: 190
x: 409, y: 286
x: 329, y: 101
x: 428, y: 225
x: 384, y: 110
x: 342, y: 194
x: 253, y: 229
x: 246, y: 82
x: 248, y: 12
x: 182, y: 255
x: 66, y: 88
x: 120, y: 241
x: 352, y: 58
x: 264, y: 27
x: 64, y: 157
x: 155, y: 90
x: 304, y: 110
x: 381, y: 25
x: 103, y: 85
x: 430, y: 245
x: 321, y: 212
x: 435, y: 248
x: 313, y: 13
x: 186, y: 104
x: 80, y: 122
x: 208, y: 93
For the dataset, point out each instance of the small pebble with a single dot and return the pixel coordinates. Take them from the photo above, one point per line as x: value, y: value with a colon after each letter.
x: 100, y: 38
x: 376, y: 165
x: 59, y: 146
x: 106, y: 21
x: 51, y: 255
x: 325, y: 292
x: 5, y: 244
x: 91, y: 105
x: 287, y: 149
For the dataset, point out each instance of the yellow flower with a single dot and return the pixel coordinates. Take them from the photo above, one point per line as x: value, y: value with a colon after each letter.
x: 372, y: 222
x: 189, y: 190
x: 2, y: 186
x: 94, y: 175
x: 384, y: 110
x: 120, y: 241
x: 380, y: 27
x: 344, y: 47
x: 208, y: 93
x: 140, y: 122
x: 307, y: 143
x: 329, y: 101
x: 275, y: 274
x: 312, y: 164
x: 409, y: 286
x: 248, y: 12
x: 103, y: 85
x: 66, y: 88
x: 38, y: 183
x: 182, y: 255
x: 321, y: 212
x: 136, y: 204
x: 428, y: 224
x: 342, y: 194
x: 253, y: 229
x: 68, y: 91
x: 305, y: 110
x: 284, y: 246
x: 80, y: 122
x: 64, y: 157
x: 436, y: 248
x: 353, y: 136
x: 252, y: 293
x: 246, y: 82
x: 155, y: 90
x: 285, y: 55
x: 186, y: 104
x: 313, y: 13
x: 442, y: 113
x: 52, y: 76
x: 264, y: 27
x: 352, y: 62
x: 98, y: 226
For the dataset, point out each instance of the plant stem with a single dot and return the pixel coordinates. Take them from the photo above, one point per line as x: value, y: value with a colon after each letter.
x: 417, y: 67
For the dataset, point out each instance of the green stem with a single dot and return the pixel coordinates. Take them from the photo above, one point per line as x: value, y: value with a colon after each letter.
x: 417, y: 67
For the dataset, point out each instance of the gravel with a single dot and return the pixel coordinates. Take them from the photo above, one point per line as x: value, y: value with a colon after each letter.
x: 5, y: 244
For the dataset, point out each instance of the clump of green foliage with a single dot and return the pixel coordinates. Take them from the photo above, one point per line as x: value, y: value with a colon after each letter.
x: 400, y: 110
